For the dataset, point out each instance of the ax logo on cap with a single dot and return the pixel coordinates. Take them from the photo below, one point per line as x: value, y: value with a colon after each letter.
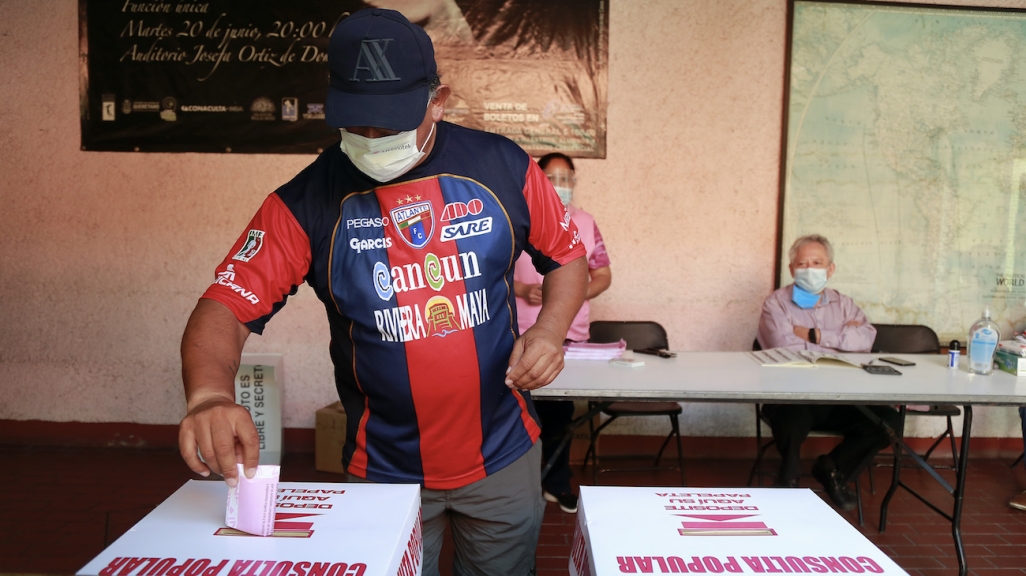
x: 372, y: 58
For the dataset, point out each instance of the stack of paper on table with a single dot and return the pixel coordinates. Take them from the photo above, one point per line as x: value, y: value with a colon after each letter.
x: 800, y: 358
x: 1012, y: 347
x: 590, y: 351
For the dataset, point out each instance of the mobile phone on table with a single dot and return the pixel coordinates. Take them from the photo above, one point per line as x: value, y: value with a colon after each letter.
x: 657, y: 352
x: 876, y: 369
x: 896, y: 361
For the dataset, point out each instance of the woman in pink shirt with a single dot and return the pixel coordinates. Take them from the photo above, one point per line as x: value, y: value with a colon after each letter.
x: 527, y: 284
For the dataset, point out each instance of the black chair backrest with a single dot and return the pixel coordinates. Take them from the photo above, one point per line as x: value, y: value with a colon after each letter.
x: 637, y: 334
x: 905, y: 338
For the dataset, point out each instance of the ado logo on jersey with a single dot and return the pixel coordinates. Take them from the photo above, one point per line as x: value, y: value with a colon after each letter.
x: 457, y: 210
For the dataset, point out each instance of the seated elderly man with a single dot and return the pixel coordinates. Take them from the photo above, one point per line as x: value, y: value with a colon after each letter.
x: 806, y: 315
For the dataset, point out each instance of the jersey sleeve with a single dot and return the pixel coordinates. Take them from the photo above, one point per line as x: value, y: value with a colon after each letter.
x: 553, y: 239
x: 266, y: 264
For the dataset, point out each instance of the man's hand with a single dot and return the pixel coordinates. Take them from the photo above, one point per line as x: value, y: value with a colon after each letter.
x: 802, y: 332
x: 536, y: 360
x: 220, y: 429
x: 853, y: 323
x: 223, y: 432
x: 537, y: 355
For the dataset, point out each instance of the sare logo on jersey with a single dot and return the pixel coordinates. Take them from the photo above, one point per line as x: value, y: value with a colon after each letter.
x: 466, y: 229
x: 363, y: 244
x: 457, y: 210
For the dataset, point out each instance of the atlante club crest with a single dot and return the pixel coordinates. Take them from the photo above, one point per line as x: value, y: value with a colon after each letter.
x: 414, y: 222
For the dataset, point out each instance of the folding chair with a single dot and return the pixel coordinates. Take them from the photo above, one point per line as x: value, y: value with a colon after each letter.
x: 637, y: 335
x: 918, y: 339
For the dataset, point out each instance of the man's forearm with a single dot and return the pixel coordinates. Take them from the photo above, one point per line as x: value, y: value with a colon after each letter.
x: 211, y: 348
x: 562, y: 295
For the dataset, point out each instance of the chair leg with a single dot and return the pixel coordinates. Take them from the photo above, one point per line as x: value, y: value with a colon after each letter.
x: 594, y: 452
x: 950, y: 435
x: 759, y: 449
x: 673, y: 430
x: 936, y: 443
x: 858, y: 501
x: 680, y: 451
x: 872, y: 484
x: 592, y: 438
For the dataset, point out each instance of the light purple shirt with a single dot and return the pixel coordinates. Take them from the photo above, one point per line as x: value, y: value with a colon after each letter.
x: 780, y: 315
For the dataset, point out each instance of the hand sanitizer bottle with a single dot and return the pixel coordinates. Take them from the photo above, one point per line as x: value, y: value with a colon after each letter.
x: 983, y: 339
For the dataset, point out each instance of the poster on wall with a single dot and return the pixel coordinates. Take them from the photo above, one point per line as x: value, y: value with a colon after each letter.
x: 251, y: 76
x: 905, y: 145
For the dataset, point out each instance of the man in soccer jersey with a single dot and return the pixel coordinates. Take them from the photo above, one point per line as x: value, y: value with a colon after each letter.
x: 407, y: 232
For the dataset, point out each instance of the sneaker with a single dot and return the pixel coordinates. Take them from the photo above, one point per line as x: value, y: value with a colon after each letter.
x: 567, y: 501
x: 836, y: 488
x: 1019, y: 502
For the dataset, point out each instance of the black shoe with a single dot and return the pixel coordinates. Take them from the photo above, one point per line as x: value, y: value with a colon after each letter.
x: 833, y: 482
x: 567, y: 501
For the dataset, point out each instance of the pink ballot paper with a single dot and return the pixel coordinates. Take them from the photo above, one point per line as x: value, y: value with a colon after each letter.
x: 251, y: 501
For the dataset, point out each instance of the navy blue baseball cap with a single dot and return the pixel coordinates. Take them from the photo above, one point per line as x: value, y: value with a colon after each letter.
x: 381, y: 67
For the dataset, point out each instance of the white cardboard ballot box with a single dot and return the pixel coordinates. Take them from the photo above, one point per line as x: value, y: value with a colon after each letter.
x: 642, y: 530
x: 259, y: 388
x: 321, y: 529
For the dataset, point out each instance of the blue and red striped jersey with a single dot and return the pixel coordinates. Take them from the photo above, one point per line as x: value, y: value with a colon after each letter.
x: 417, y: 279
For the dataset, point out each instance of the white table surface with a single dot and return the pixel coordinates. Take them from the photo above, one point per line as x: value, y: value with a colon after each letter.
x: 735, y: 377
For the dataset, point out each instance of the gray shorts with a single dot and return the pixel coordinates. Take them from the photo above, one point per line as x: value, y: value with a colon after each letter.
x: 495, y: 522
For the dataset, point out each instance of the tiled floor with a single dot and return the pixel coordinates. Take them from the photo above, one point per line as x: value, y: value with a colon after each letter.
x: 61, y: 506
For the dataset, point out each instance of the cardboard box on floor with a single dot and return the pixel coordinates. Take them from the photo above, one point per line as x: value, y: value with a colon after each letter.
x: 319, y: 528
x: 716, y: 530
x: 330, y: 436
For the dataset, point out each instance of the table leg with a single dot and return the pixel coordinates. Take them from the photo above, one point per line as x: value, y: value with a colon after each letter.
x: 896, y: 474
x: 958, y: 492
x: 963, y: 466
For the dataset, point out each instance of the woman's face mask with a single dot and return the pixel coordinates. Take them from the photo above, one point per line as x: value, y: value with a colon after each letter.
x: 565, y: 194
x: 563, y: 181
x: 385, y: 158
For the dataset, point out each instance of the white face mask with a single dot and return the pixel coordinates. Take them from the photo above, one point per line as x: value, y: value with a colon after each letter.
x: 565, y: 194
x: 385, y: 158
x: 812, y: 280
